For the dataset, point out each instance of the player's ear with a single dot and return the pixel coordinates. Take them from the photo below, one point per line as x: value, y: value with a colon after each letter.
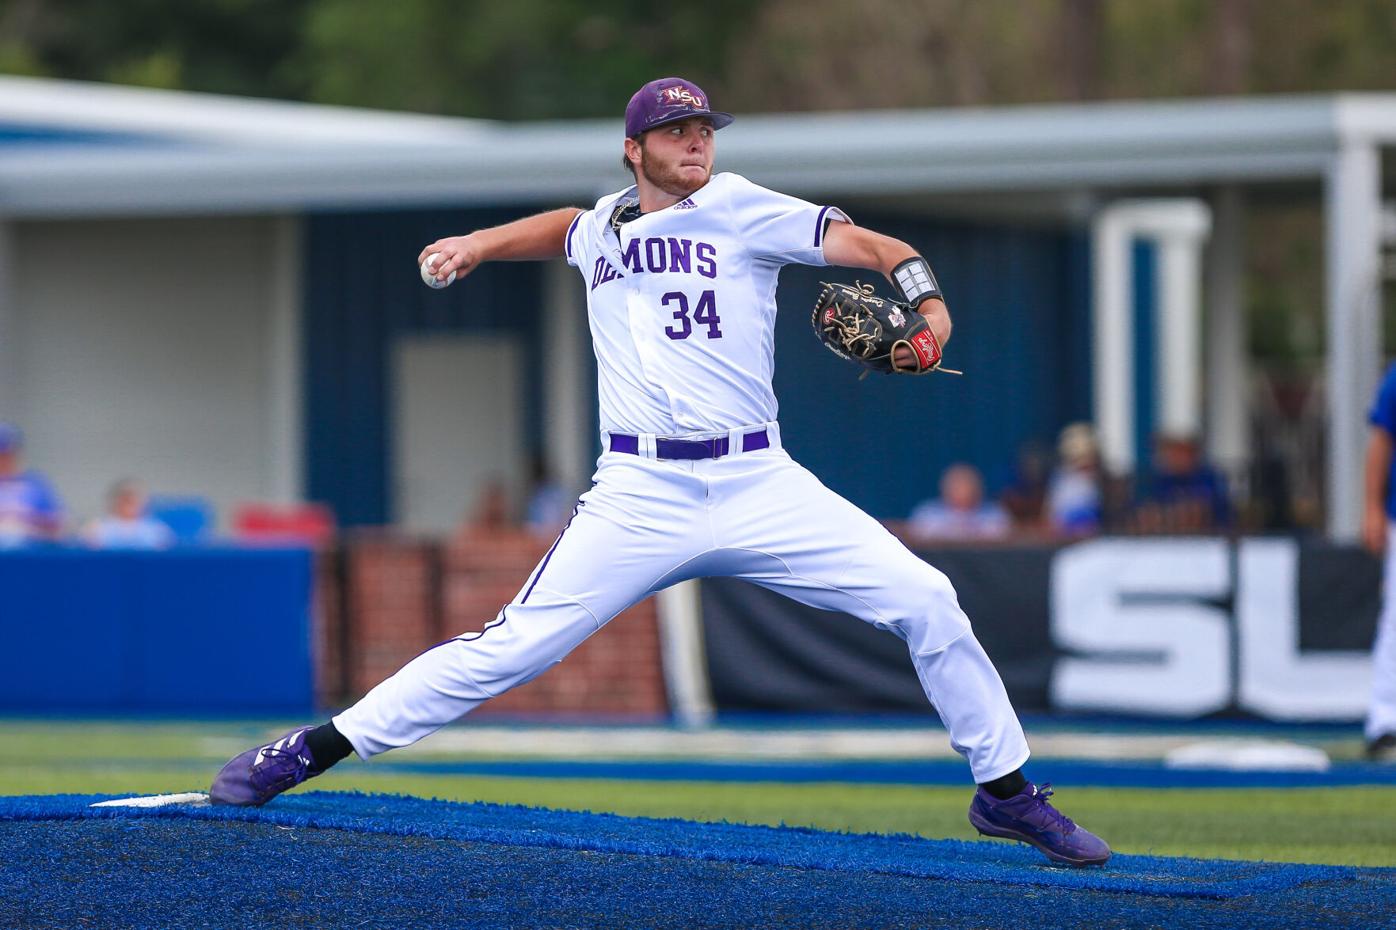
x: 633, y: 152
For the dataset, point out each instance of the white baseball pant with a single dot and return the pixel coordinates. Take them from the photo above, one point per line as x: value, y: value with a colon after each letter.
x: 649, y: 523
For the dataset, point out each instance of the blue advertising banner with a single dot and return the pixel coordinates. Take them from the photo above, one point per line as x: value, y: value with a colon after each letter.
x: 183, y: 631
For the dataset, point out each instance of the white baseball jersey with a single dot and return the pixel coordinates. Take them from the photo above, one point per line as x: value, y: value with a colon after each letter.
x: 682, y: 309
x: 682, y: 303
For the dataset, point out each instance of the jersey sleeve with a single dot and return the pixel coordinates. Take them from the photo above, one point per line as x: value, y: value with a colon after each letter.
x: 1383, y: 412
x: 779, y: 228
x: 572, y: 244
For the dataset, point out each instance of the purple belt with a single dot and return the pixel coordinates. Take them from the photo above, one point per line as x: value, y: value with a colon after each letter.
x: 690, y: 448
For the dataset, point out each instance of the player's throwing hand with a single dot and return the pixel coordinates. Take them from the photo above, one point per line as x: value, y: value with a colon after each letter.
x: 456, y: 254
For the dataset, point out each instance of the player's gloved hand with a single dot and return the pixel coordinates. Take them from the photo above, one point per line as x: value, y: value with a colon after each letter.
x: 881, y: 335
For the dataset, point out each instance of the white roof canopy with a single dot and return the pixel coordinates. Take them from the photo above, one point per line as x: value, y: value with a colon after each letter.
x: 185, y: 153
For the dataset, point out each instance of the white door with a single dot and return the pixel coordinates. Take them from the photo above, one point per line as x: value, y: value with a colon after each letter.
x: 458, y: 425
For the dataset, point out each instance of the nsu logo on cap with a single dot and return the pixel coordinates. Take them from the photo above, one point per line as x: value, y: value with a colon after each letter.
x: 681, y: 95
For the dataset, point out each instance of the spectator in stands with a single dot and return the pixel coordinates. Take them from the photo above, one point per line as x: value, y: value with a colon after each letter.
x: 1185, y: 494
x: 493, y: 511
x: 960, y: 513
x: 549, y: 502
x: 1379, y: 536
x: 1025, y: 497
x: 30, y: 510
x: 126, y: 525
x: 1074, y: 500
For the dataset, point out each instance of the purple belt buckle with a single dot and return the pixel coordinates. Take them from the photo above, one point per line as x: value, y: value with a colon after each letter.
x: 691, y: 448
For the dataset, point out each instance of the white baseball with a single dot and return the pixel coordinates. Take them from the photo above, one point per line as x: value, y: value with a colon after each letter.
x: 429, y: 276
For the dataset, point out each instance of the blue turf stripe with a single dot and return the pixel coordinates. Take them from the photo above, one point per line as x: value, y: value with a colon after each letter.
x: 1063, y: 773
x: 1079, y: 773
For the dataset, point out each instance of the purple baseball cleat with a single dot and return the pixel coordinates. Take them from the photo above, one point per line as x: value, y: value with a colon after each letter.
x: 1028, y: 817
x: 254, y: 777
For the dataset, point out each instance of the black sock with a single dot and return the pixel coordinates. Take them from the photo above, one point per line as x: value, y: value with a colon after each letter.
x: 1007, y: 786
x: 327, y: 746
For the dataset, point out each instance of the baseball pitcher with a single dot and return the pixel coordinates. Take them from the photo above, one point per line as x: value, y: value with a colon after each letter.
x: 680, y: 273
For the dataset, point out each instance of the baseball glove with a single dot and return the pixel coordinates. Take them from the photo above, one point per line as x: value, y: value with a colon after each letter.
x: 858, y: 325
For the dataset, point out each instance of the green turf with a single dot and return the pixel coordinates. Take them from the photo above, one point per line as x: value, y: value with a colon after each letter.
x: 1340, y: 826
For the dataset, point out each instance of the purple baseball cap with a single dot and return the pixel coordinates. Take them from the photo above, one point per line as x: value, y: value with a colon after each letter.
x: 666, y: 100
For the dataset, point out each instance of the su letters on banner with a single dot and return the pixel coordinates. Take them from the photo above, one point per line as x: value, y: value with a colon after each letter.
x: 1176, y: 627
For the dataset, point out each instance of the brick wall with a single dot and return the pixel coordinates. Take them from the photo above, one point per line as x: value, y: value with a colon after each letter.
x: 384, y: 599
x: 328, y: 629
x: 390, y: 607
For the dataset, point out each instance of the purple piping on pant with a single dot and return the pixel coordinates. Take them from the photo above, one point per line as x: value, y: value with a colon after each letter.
x: 504, y: 612
x: 471, y: 637
x: 465, y: 637
x: 437, y: 646
x: 539, y: 574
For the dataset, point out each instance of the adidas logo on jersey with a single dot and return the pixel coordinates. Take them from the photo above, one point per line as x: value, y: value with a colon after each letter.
x: 686, y: 204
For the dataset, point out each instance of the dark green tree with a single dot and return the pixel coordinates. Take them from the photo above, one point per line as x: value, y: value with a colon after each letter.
x: 517, y: 60
x: 218, y: 46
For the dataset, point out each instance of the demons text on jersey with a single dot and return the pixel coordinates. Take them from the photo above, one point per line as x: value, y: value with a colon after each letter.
x: 657, y: 255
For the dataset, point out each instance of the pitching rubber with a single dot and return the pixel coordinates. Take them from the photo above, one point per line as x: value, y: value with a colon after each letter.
x: 193, y: 798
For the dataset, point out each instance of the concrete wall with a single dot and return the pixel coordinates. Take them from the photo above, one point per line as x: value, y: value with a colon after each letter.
x: 159, y: 349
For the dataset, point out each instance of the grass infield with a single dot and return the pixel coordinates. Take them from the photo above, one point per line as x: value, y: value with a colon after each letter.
x: 1324, y: 825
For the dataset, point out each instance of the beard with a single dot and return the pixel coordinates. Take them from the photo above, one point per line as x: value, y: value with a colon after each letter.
x: 669, y: 178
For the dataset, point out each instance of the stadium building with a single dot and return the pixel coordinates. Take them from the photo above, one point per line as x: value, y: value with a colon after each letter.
x: 218, y: 294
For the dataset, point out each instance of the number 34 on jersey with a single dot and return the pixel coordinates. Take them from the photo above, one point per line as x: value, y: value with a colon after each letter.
x: 657, y: 255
